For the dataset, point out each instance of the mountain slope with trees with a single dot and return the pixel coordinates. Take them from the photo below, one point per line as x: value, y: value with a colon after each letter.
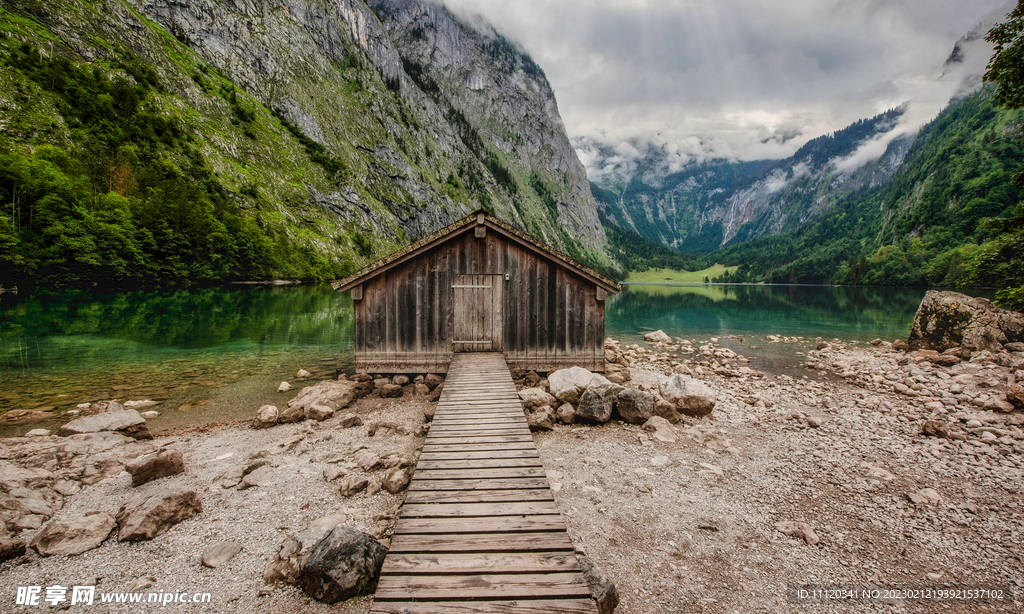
x: 925, y: 227
x: 150, y: 142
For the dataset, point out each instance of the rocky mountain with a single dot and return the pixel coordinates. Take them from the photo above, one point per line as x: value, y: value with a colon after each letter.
x: 712, y: 204
x: 340, y: 131
x: 704, y: 206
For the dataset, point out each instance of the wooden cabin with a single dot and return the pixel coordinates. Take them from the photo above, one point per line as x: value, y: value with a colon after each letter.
x: 477, y: 285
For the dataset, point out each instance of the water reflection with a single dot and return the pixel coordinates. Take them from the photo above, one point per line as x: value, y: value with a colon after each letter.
x: 758, y: 310
x: 61, y: 348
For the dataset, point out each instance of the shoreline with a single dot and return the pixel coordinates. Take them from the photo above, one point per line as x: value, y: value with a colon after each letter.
x: 842, y: 456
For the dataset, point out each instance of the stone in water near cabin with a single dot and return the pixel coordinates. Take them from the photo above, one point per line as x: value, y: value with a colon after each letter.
x: 128, y: 422
x: 22, y: 416
x: 284, y: 387
x: 658, y: 336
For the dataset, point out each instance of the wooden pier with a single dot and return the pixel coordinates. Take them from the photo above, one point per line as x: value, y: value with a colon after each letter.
x: 479, y: 531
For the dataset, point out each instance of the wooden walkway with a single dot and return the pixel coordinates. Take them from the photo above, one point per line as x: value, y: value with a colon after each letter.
x: 479, y: 531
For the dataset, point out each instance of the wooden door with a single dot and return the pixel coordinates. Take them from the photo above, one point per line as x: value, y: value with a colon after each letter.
x: 476, y: 313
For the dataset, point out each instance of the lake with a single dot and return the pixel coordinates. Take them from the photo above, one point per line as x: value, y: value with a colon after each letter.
x: 217, y: 354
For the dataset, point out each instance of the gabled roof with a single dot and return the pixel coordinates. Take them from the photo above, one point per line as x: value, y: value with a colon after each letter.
x: 466, y: 224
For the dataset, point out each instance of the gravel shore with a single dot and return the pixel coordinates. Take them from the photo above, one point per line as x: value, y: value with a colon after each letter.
x: 837, y: 457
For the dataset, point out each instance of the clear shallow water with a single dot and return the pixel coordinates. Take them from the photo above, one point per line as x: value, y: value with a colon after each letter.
x: 700, y: 312
x: 217, y: 354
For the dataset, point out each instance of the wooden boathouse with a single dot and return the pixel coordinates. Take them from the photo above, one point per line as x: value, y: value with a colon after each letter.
x: 478, y: 285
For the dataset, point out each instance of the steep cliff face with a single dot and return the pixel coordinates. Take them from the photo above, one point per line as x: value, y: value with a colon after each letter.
x: 286, y: 55
x: 505, y: 96
x: 307, y: 114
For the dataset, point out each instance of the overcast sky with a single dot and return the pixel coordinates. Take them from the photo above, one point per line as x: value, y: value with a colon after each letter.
x: 748, y: 79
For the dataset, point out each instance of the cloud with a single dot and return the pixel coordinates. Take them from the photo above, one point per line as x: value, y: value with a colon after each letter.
x: 744, y: 79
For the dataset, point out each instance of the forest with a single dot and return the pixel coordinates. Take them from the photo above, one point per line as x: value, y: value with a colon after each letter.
x: 951, y: 216
x: 132, y: 200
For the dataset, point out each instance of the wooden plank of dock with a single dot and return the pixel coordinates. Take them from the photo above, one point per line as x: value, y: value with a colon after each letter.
x: 479, y: 531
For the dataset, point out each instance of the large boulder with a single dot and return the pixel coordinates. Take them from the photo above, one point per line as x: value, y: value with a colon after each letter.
x: 635, y: 406
x: 598, y: 402
x: 127, y: 422
x: 149, y: 467
x: 567, y: 385
x: 602, y: 589
x: 329, y: 563
x: 534, y: 398
x: 332, y: 394
x: 689, y: 396
x: 951, y: 319
x: 147, y: 516
x: 345, y: 563
x: 71, y: 535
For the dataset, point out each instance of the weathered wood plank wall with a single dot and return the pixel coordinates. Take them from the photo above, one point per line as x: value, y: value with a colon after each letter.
x: 550, y: 317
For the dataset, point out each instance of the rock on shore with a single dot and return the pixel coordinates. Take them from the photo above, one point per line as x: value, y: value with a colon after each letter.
x: 950, y: 319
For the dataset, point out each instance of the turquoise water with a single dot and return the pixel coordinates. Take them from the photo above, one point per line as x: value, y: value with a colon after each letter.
x: 216, y: 354
x: 849, y: 313
x: 749, y: 313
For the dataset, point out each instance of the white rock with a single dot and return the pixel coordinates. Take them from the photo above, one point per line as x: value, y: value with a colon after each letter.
x: 657, y: 336
x: 568, y: 384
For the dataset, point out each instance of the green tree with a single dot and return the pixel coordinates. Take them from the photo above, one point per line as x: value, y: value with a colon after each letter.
x: 1004, y: 258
